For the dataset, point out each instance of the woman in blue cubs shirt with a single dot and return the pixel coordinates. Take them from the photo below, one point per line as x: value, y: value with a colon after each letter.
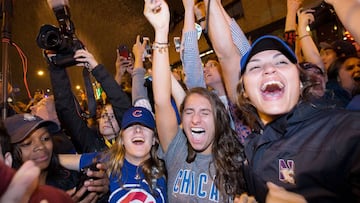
x: 135, y: 172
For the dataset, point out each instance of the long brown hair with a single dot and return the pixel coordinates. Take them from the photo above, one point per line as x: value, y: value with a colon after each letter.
x: 227, y: 151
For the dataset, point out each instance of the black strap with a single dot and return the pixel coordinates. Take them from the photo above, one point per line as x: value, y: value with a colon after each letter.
x: 89, y: 93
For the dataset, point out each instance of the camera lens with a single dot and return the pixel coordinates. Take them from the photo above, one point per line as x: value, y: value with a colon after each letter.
x: 52, y: 39
x: 49, y: 38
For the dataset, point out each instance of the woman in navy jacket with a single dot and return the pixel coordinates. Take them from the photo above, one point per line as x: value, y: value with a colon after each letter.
x: 297, y: 145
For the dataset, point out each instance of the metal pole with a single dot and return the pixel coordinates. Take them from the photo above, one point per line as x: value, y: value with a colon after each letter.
x: 6, y: 34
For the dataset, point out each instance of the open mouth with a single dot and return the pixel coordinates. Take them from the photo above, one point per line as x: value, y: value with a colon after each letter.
x: 197, y: 133
x: 357, y: 78
x: 138, y: 140
x: 272, y: 88
x: 106, y: 126
x: 197, y: 130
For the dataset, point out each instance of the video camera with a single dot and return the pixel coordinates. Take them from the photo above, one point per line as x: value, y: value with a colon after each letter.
x: 62, y: 41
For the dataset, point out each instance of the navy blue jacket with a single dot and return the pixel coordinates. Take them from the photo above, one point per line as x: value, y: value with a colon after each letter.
x: 311, y: 151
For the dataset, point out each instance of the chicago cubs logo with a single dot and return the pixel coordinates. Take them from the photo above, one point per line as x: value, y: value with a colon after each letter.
x: 137, y: 113
x: 137, y: 196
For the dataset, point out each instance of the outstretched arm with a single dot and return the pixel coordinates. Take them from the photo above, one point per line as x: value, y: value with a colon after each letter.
x: 348, y: 12
x: 309, y: 49
x: 177, y: 92
x: 68, y: 111
x: 157, y: 13
x: 139, y: 92
x: 290, y: 22
x: 117, y: 97
x: 224, y: 47
x: 70, y: 161
x: 190, y: 53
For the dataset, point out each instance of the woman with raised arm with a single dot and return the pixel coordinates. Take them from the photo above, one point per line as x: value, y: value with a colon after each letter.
x: 204, y: 157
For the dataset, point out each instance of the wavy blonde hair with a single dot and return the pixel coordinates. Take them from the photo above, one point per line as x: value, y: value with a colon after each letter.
x: 153, y: 168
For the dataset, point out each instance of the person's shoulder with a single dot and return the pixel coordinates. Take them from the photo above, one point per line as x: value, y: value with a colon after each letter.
x: 341, y: 115
x: 354, y: 104
x: 328, y: 115
x: 51, y: 194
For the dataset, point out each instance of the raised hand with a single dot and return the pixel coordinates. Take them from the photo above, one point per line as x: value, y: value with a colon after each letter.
x: 138, y: 50
x: 305, y: 17
x: 157, y: 13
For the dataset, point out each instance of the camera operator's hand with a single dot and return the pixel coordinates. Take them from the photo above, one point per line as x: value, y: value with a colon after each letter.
x: 86, y: 59
x: 100, y: 182
x: 139, y: 50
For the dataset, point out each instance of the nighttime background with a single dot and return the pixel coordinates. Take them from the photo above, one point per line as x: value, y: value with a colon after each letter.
x: 104, y: 24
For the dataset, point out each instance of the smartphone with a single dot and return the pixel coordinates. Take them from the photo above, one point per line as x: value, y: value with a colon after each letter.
x: 177, y: 43
x: 84, y: 177
x: 148, y: 51
x: 124, y: 51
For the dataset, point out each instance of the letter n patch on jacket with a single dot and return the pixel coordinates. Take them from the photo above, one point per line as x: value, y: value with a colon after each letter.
x: 287, y: 171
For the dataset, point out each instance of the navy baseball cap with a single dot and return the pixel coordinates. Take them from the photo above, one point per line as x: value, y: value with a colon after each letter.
x: 267, y: 42
x: 19, y: 126
x: 138, y: 115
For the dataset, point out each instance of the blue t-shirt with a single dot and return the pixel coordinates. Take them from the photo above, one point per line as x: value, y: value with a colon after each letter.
x: 132, y: 186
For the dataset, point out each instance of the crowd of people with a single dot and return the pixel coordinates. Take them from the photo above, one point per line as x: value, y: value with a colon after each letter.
x: 273, y: 120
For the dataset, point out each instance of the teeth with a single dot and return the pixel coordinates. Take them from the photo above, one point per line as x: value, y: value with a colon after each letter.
x: 197, y: 130
x: 138, y: 139
x: 265, y: 85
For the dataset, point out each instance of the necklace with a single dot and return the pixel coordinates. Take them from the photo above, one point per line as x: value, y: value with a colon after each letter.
x: 137, y: 176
